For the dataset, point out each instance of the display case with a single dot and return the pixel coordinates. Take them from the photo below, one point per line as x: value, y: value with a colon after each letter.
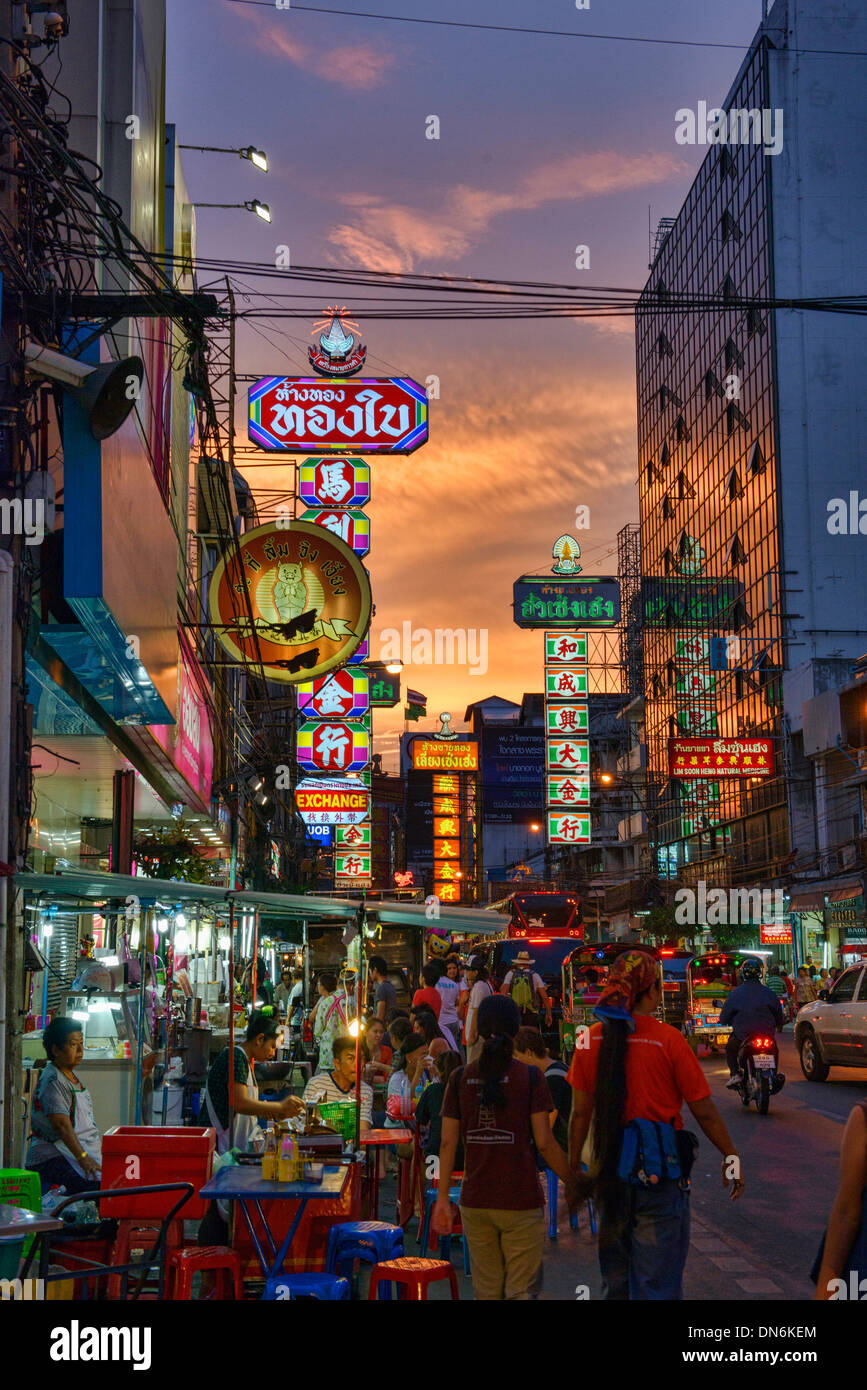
x: 109, y: 1021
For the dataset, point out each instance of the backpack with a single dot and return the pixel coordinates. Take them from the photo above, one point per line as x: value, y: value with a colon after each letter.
x: 522, y: 991
x: 649, y: 1154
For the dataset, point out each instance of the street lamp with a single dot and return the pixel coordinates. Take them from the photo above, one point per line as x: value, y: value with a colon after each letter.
x: 256, y: 157
x: 261, y: 209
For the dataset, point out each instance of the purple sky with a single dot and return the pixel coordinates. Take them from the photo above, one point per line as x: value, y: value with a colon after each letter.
x: 545, y: 144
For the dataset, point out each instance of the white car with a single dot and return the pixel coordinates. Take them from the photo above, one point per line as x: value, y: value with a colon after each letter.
x: 832, y: 1032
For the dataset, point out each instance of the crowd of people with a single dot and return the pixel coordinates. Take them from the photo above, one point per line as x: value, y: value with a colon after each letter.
x: 471, y: 1070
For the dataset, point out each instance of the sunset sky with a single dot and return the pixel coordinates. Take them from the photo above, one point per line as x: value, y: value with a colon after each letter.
x: 545, y: 143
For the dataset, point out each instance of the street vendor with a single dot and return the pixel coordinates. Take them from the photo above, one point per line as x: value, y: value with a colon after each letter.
x: 259, y: 1045
x: 65, y: 1146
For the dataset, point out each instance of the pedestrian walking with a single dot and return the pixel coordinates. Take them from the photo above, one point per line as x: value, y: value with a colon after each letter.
x: 842, y: 1258
x: 449, y: 987
x: 479, y: 989
x: 805, y: 990
x: 631, y: 1079
x: 329, y: 1018
x: 499, y: 1108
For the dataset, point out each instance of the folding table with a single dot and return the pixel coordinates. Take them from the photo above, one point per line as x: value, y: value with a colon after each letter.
x: 244, y: 1184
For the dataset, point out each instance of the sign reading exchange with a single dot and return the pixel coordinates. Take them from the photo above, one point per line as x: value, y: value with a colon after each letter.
x: 565, y: 601
x: 720, y: 757
x: 331, y: 801
x: 371, y: 415
x: 308, y: 593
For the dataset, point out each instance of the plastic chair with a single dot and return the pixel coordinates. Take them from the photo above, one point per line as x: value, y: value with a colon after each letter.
x: 553, y: 1195
x: 326, y: 1287
x: 413, y: 1275
x: 370, y: 1241
x: 146, y: 1234
x: 183, y: 1264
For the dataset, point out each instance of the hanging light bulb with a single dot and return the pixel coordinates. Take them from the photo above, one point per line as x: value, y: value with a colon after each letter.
x: 354, y: 1028
x: 224, y: 943
x: 182, y: 942
x: 162, y: 924
x: 180, y: 919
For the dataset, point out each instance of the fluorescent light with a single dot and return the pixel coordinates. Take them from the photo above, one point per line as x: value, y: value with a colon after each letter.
x: 79, y: 1015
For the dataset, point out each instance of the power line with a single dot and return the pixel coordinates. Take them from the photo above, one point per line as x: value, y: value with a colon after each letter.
x: 546, y: 33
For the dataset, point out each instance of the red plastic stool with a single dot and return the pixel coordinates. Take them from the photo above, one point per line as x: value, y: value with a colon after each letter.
x: 124, y: 1243
x: 412, y: 1274
x: 183, y: 1264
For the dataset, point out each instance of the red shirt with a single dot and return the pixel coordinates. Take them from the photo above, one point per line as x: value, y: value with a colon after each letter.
x: 499, y: 1159
x: 662, y: 1071
x: 430, y: 996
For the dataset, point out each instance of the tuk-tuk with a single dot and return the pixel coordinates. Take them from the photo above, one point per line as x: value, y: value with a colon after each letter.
x: 584, y: 976
x: 708, y: 980
x: 675, y: 995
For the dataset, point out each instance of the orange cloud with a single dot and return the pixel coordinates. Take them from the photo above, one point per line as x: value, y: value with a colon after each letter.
x: 396, y: 237
x: 359, y: 66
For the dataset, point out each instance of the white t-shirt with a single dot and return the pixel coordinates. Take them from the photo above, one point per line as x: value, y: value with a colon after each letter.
x: 480, y: 990
x: 324, y: 1081
x: 450, y: 992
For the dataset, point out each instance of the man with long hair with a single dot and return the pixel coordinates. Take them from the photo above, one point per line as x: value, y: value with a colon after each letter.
x: 631, y: 1075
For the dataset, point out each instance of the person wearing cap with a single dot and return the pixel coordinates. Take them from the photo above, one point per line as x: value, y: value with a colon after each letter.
x: 528, y: 990
x: 499, y: 1108
x: 479, y: 989
x: 629, y: 1068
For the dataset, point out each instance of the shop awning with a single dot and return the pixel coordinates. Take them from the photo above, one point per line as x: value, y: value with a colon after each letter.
x: 853, y: 888
x: 806, y: 901
x: 81, y: 885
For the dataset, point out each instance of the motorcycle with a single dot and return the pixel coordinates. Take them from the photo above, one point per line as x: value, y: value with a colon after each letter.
x: 758, y: 1069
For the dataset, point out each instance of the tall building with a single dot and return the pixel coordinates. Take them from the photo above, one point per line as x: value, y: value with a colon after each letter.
x: 748, y: 429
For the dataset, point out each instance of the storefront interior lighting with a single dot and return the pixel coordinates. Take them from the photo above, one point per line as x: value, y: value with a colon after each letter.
x: 182, y: 942
x: 79, y: 1015
x: 162, y: 924
x: 47, y: 929
x: 224, y: 943
x: 180, y: 919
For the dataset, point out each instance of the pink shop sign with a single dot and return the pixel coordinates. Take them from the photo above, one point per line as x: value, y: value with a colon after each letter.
x: 188, y: 741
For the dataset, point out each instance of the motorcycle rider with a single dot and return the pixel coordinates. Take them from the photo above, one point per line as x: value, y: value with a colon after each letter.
x: 750, y: 1008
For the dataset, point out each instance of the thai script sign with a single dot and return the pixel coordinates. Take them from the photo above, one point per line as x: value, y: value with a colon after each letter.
x: 371, y: 415
x: 720, y: 757
x: 540, y: 601
x: 432, y: 755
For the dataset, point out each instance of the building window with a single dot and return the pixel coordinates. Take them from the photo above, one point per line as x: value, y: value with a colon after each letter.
x: 736, y: 553
x: 664, y: 457
x: 733, y: 355
x: 729, y: 289
x: 684, y: 486
x: 755, y: 321
x: 735, y: 418
x: 681, y: 429
x: 726, y: 162
x: 664, y: 346
x: 712, y: 385
x: 755, y: 460
x: 733, y: 487
x: 665, y: 395
x: 729, y: 227
x: 667, y: 508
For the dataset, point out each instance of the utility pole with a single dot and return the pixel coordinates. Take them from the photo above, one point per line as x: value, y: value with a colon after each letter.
x: 14, y: 733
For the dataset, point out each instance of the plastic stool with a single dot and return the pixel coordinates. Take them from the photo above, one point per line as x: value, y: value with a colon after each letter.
x: 414, y: 1275
x: 370, y: 1241
x: 120, y: 1251
x: 183, y: 1264
x: 553, y: 1194
x: 430, y: 1197
x: 328, y: 1287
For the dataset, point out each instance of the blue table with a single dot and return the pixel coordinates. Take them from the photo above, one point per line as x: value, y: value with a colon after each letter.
x: 243, y: 1184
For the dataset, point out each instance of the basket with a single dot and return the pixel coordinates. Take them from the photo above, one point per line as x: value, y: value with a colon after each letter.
x: 340, y: 1115
x: 21, y: 1188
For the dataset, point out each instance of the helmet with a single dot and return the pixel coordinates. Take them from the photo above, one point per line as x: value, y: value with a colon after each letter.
x: 751, y: 969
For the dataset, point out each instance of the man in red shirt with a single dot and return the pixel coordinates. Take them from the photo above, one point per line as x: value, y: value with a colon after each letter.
x: 629, y: 1067
x: 429, y: 994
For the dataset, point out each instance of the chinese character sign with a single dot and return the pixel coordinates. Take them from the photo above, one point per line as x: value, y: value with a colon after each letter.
x: 337, y: 482
x: 343, y: 694
x: 565, y: 828
x: 352, y: 526
x: 333, y: 746
x: 567, y: 722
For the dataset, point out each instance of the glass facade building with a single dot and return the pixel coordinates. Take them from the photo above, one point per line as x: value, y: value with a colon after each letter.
x: 710, y: 523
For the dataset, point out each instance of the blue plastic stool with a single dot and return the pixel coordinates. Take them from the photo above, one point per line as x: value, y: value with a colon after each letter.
x: 327, y: 1287
x: 370, y: 1241
x: 445, y: 1242
x: 553, y: 1194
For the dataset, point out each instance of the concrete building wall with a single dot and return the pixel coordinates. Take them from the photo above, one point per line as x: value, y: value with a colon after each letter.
x: 818, y: 214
